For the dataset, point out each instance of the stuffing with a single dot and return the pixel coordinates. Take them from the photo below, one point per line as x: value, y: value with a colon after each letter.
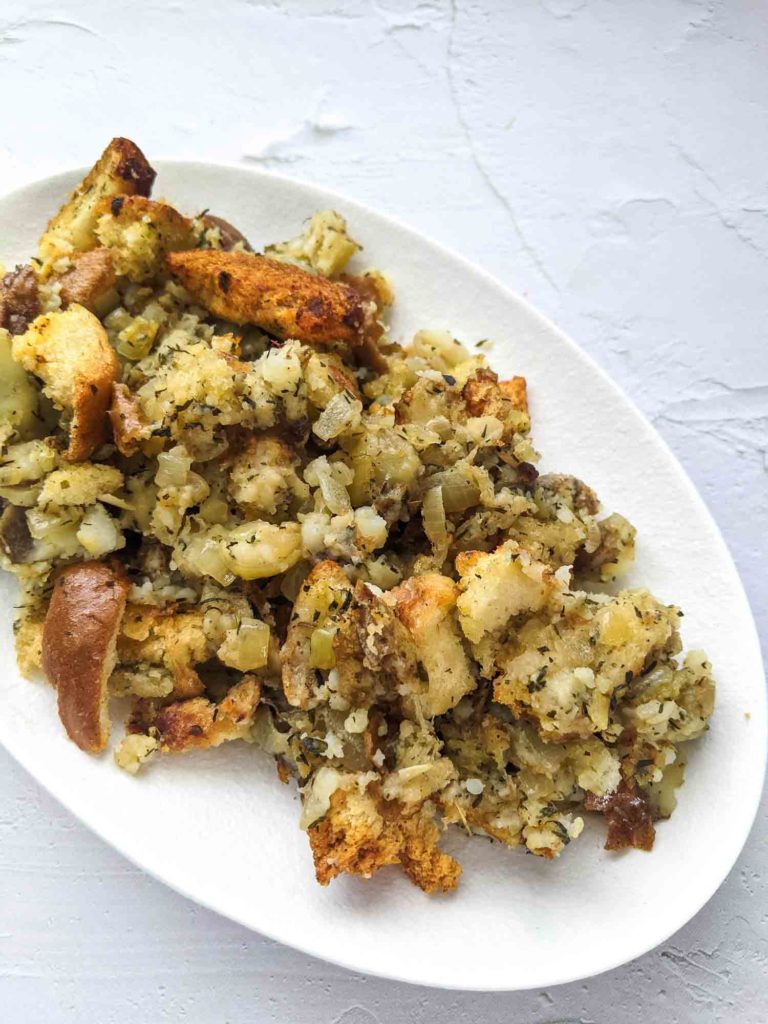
x: 326, y: 377
x: 28, y: 635
x: 358, y: 837
x: 263, y: 477
x: 232, y: 499
x: 280, y: 298
x: 138, y: 234
x: 499, y: 585
x: 19, y: 300
x: 122, y: 170
x: 179, y: 638
x: 324, y: 247
x: 199, y: 723
x: 322, y: 595
x: 80, y: 485
x: 426, y: 605
x: 216, y: 233
x: 70, y: 353
x: 506, y: 401
x: 126, y: 418
x: 563, y: 671
x: 16, y: 541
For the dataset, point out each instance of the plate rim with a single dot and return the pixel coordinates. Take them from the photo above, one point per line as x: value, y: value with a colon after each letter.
x: 69, y: 176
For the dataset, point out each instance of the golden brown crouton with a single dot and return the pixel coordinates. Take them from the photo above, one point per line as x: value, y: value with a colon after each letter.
x: 359, y: 835
x: 199, y: 723
x: 165, y: 636
x: 69, y: 351
x: 485, y: 395
x: 139, y: 232
x: 28, y: 633
x: 323, y: 594
x: 277, y: 297
x: 90, y: 282
x: 121, y: 170
x: 79, y: 642
x: 127, y: 419
x: 497, y: 586
x: 80, y: 485
x: 425, y: 605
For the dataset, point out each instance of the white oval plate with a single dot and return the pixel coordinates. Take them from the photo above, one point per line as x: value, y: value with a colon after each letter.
x: 219, y: 828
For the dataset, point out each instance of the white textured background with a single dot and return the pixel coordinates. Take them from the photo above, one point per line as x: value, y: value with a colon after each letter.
x: 607, y: 158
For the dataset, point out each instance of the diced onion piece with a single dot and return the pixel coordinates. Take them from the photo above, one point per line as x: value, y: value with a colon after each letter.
x: 204, y: 556
x: 321, y: 653
x: 173, y: 467
x: 247, y: 647
x: 321, y: 473
x: 24, y: 463
x: 433, y: 512
x: 341, y: 415
x: 459, y: 491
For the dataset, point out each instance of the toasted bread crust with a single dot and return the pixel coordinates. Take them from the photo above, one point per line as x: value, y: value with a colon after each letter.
x: 198, y: 723
x: 422, y: 601
x: 485, y: 395
x: 79, y: 639
x: 277, y: 297
x: 121, y: 170
x: 358, y: 838
x: 320, y: 598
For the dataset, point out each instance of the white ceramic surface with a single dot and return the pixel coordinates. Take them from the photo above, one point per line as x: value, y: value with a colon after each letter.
x: 217, y: 827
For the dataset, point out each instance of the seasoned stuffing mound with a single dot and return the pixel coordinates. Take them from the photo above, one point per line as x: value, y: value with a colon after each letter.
x: 232, y: 498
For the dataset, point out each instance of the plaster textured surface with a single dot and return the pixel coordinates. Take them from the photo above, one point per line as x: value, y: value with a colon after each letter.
x: 606, y: 159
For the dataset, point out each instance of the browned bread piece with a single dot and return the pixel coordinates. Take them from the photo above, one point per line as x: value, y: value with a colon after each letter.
x: 278, y: 297
x: 360, y: 834
x: 426, y: 607
x: 79, y: 644
x: 199, y: 723
x: 121, y: 170
x: 139, y: 233
x: 70, y: 352
x: 485, y: 395
x: 90, y: 282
